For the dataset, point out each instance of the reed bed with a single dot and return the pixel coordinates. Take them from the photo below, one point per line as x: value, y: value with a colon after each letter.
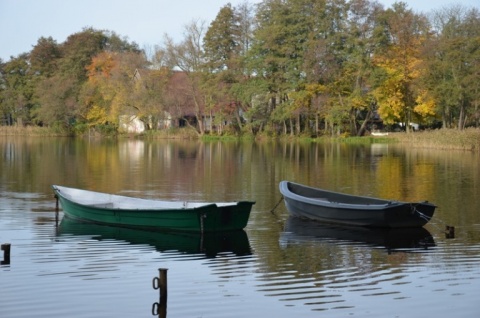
x: 29, y: 131
x: 446, y: 139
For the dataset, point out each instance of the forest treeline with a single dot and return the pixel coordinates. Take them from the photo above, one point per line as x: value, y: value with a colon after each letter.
x: 296, y: 67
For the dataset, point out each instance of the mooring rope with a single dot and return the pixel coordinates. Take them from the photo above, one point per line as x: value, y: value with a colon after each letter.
x: 449, y: 230
x: 423, y: 216
x: 276, y: 205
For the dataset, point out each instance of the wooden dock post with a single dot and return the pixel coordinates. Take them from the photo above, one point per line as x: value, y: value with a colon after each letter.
x: 6, y: 254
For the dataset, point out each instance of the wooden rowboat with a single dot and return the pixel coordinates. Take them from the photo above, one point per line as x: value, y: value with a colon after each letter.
x: 338, y: 208
x: 103, y: 208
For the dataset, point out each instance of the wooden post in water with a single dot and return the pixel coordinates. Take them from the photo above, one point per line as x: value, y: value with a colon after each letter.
x: 163, y: 285
x: 449, y: 232
x: 6, y: 254
x: 56, y: 209
x: 160, y: 282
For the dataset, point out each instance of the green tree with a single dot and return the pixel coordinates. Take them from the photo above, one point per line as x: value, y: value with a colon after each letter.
x: 277, y: 52
x: 44, y: 57
x: 16, y: 90
x: 344, y: 49
x: 58, y: 102
x: 221, y: 45
x: 355, y: 79
x: 226, y: 43
x: 78, y: 51
x: 221, y: 55
x: 453, y: 62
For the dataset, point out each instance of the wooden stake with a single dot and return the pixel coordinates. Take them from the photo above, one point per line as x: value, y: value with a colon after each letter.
x: 160, y: 282
x: 449, y: 232
x: 6, y: 254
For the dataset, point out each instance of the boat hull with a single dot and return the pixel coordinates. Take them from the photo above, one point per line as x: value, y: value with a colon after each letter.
x: 337, y: 208
x: 209, y: 217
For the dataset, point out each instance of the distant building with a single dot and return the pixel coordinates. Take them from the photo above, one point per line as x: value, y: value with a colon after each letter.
x: 131, y: 124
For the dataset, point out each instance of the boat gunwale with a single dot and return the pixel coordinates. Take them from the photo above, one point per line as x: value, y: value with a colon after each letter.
x: 174, y: 205
x: 286, y: 192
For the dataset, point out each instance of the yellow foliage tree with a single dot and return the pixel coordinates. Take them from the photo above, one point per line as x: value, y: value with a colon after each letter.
x: 425, y: 104
x: 96, y: 115
x: 397, y: 96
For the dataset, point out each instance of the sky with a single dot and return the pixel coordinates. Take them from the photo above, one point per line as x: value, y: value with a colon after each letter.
x: 145, y: 22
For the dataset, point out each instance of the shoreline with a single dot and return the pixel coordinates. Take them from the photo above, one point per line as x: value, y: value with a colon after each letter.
x: 444, y: 139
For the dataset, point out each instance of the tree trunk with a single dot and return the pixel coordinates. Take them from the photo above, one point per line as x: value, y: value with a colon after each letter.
x: 298, y: 126
x: 239, y: 120
x: 362, y: 129
x: 461, y: 117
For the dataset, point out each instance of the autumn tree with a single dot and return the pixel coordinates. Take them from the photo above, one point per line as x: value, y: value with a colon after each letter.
x: 188, y: 57
x: 148, y: 97
x: 398, y: 98
x: 63, y: 73
x: 58, y: 105
x: 109, y: 91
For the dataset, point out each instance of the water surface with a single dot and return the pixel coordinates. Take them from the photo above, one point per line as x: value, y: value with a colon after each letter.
x: 278, y: 266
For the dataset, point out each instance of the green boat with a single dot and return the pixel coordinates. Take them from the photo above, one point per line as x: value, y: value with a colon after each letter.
x: 124, y: 211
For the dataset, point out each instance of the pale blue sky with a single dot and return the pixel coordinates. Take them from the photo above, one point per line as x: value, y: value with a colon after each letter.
x: 23, y: 22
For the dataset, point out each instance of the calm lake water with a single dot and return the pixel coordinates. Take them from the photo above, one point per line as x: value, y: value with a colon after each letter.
x: 277, y: 267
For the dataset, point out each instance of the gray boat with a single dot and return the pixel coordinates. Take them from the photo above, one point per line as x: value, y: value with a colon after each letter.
x: 339, y: 208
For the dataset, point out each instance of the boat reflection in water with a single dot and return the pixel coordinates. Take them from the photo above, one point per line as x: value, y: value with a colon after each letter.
x: 301, y: 230
x: 209, y: 244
